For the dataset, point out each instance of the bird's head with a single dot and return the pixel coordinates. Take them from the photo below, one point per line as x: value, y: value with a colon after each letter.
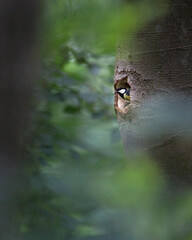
x: 124, y: 93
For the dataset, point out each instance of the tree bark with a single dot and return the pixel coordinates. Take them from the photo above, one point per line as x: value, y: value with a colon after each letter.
x: 156, y: 65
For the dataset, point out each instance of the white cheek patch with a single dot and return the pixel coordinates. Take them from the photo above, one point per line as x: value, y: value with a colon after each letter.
x: 122, y: 91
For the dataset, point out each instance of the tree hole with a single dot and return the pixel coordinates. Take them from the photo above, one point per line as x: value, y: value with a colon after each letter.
x: 122, y: 95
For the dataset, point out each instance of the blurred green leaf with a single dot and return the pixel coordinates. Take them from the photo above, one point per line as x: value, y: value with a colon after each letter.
x: 132, y: 186
x: 76, y: 71
x: 94, y: 24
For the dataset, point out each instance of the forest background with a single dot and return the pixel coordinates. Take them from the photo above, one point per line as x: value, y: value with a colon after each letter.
x: 78, y: 184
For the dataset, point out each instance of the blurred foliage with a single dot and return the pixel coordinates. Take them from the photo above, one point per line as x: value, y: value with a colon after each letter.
x: 81, y: 186
x: 95, y: 24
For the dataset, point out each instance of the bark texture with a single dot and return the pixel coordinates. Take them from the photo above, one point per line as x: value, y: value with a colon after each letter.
x: 156, y: 64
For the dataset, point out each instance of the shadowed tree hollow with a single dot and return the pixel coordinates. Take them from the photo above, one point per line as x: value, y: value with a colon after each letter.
x: 156, y: 66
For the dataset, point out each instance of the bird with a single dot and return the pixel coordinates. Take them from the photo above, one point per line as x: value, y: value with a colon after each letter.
x: 124, y: 93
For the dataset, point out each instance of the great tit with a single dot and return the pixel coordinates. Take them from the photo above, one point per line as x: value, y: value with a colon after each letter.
x: 124, y: 93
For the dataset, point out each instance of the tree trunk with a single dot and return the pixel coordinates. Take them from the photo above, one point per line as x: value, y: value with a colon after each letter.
x: 18, y: 27
x: 156, y: 65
